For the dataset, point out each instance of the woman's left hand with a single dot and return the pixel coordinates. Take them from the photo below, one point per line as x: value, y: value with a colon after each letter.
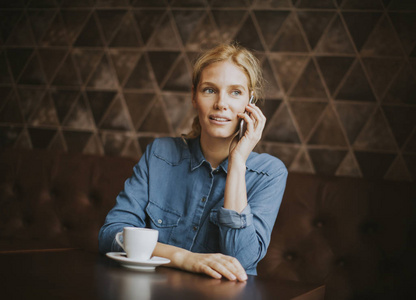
x: 255, y: 122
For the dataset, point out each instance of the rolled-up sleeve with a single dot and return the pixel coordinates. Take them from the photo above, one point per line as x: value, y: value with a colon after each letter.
x: 233, y: 219
x: 246, y: 235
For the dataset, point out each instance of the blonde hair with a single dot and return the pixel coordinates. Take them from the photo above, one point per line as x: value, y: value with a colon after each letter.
x: 238, y: 55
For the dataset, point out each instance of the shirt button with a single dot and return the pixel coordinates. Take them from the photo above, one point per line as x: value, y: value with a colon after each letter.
x: 203, y: 199
x: 195, y: 228
x: 160, y: 221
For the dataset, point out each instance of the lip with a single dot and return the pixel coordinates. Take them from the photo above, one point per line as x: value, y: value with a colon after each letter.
x: 219, y: 119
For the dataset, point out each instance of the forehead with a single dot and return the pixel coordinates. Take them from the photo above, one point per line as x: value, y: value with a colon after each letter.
x: 224, y: 72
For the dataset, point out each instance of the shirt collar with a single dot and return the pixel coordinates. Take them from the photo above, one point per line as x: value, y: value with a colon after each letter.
x: 197, y: 157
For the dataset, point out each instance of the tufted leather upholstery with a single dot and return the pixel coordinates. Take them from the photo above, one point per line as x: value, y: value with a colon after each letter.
x: 356, y: 236
x: 51, y: 199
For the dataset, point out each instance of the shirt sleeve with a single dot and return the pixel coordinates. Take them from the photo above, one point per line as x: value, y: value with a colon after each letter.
x: 231, y: 218
x: 129, y: 209
x: 246, y: 236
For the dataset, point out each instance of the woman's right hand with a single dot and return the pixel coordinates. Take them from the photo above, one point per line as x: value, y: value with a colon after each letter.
x: 215, y: 265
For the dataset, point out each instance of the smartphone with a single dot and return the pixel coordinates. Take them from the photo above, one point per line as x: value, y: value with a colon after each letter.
x: 242, y: 123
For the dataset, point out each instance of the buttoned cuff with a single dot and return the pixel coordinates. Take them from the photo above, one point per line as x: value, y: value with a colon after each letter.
x: 233, y: 219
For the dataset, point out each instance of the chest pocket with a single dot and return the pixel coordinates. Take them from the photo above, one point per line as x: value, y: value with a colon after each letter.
x: 162, y: 220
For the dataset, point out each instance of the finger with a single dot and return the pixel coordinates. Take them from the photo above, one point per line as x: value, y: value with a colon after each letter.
x: 256, y: 113
x: 232, y: 268
x: 210, y: 272
x: 238, y: 268
x: 228, y: 267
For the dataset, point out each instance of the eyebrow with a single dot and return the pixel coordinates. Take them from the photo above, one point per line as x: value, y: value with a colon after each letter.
x: 233, y: 86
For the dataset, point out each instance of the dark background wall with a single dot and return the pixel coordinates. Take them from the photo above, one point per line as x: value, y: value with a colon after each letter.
x: 107, y: 76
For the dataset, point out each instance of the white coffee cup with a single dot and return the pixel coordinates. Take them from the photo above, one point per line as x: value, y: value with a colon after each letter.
x: 138, y: 243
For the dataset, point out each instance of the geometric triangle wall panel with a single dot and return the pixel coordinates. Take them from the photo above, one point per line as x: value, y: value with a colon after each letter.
x: 248, y: 36
x: 270, y: 22
x: 140, y: 77
x: 103, y: 77
x: 107, y: 77
x: 80, y: 116
x: 186, y: 21
x: 29, y: 99
x: 356, y: 86
x: 307, y: 114
x: 179, y: 108
x: 290, y: 37
x: 360, y: 25
x: 21, y: 34
x: 162, y: 63
x: 155, y: 120
x: 116, y: 117
x: 204, y: 36
x: 374, y: 165
x: 376, y: 135
x: 138, y: 105
x: 179, y: 79
x: 287, y: 68
x: 383, y: 41
x: 64, y: 100
x: 147, y: 21
x: 314, y: 24
x: 333, y: 69
x: 127, y: 34
x: 381, y: 72
x: 17, y: 59
x: 402, y: 89
x: 45, y: 114
x: 326, y: 161
x: 228, y: 23
x: 335, y: 39
x: 405, y: 26
x: 90, y: 35
x: 402, y: 121
x: 328, y: 131
x: 309, y: 84
x: 99, y: 102
x: 353, y: 117
x: 109, y: 21
x: 282, y: 128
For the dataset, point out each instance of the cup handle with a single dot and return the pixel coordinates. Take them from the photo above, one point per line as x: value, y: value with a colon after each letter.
x: 118, y: 239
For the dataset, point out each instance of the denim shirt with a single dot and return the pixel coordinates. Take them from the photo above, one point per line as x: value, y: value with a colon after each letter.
x: 175, y: 190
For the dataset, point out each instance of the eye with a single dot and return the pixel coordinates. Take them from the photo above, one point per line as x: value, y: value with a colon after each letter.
x: 236, y: 93
x: 208, y: 90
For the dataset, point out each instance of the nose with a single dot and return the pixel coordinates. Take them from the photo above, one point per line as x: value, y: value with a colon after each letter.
x: 221, y: 101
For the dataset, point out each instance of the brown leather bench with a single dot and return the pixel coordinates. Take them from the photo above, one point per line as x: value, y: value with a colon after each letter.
x: 356, y: 236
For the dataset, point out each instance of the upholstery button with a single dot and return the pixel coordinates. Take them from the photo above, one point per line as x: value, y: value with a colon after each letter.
x: 290, y: 256
x: 370, y: 228
x: 160, y: 221
x: 340, y: 262
x: 319, y: 224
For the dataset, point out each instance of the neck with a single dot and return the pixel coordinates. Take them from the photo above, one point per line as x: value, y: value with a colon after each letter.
x: 215, y: 150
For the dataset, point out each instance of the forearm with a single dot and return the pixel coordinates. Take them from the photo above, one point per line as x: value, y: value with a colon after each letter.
x: 176, y: 255
x: 215, y: 265
x: 235, y: 194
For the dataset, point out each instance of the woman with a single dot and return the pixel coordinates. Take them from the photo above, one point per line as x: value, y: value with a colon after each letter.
x: 213, y: 200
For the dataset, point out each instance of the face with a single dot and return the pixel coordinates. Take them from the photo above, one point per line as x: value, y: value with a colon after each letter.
x: 221, y: 94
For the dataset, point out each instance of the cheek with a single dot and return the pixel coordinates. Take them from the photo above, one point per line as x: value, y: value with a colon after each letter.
x: 239, y: 107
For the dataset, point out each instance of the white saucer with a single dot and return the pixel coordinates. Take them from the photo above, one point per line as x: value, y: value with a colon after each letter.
x: 145, y: 265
